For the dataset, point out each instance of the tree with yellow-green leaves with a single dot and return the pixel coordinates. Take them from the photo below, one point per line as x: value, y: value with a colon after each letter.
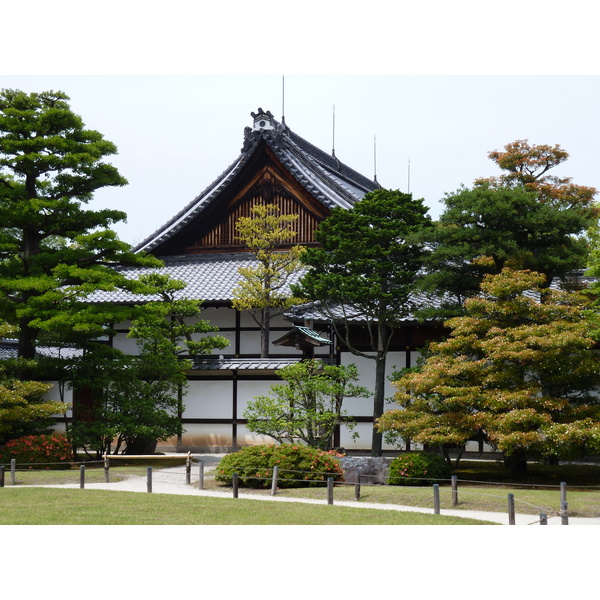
x: 23, y: 409
x: 516, y: 373
x: 263, y: 289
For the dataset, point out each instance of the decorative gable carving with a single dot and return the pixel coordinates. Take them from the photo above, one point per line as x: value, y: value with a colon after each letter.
x: 267, y: 189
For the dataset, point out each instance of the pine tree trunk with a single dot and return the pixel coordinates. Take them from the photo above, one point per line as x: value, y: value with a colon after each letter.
x: 378, y: 403
x: 265, y: 327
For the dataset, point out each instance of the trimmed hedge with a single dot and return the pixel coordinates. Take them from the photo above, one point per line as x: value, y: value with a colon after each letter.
x: 418, y: 468
x: 299, y: 466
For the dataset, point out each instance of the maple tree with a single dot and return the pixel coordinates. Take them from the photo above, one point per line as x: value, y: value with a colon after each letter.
x: 528, y: 165
x: 526, y: 218
x: 514, y: 372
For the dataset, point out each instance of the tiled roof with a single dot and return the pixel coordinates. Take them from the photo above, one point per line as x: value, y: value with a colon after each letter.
x: 313, y: 311
x: 242, y: 364
x: 8, y: 349
x: 208, y: 277
x: 326, y: 178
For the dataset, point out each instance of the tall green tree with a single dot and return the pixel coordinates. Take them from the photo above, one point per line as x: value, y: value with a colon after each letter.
x: 139, y: 399
x: 525, y: 219
x: 366, y: 268
x: 263, y: 289
x: 54, y: 251
x: 517, y: 373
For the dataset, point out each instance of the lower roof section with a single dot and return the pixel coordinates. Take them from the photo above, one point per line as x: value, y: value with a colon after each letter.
x: 243, y: 364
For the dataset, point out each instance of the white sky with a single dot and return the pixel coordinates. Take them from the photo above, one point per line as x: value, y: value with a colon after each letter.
x: 174, y: 89
x: 176, y: 134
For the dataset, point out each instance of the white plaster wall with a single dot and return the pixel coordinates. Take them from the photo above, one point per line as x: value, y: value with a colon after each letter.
x: 248, y: 390
x: 249, y: 438
x: 366, y: 369
x: 125, y: 344
x: 203, y: 436
x: 53, y: 394
x: 208, y: 400
x: 219, y: 317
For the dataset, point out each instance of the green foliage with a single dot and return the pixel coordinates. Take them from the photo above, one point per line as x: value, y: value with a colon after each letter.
x: 368, y: 256
x: 367, y: 265
x: 172, y: 325
x: 299, y: 466
x: 135, y: 399
x: 517, y: 373
x: 308, y: 407
x: 23, y: 408
x: 418, y: 468
x: 38, y: 450
x: 54, y: 252
x: 263, y: 289
x: 139, y: 399
x: 524, y: 219
x: 484, y: 229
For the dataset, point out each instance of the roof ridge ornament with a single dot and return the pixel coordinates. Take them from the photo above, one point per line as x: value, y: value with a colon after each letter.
x: 263, y: 121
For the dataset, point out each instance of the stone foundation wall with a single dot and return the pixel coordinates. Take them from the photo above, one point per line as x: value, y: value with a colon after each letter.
x: 371, y: 469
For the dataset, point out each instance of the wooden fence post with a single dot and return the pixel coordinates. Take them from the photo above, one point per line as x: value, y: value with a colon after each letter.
x: 511, y: 509
x: 235, y: 484
x: 543, y: 519
x: 106, y: 468
x: 564, y: 513
x: 13, y: 469
x: 82, y: 476
x: 188, y: 469
x: 201, y: 476
x: 454, y: 490
x: 563, y: 491
x: 330, y: 490
x: 274, y: 482
x: 436, y: 498
x: 1, y: 476
x: 149, y: 479
x: 357, y: 487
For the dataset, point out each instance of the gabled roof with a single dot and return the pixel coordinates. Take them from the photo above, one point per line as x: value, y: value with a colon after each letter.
x: 323, y: 176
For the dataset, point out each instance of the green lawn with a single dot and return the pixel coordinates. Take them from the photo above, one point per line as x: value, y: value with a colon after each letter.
x: 482, y: 486
x: 48, y: 506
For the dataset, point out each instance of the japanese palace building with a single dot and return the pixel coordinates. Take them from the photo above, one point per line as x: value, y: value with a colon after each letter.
x: 199, y: 246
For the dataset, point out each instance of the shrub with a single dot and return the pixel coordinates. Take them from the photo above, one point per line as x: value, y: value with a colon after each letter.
x: 418, y: 468
x: 38, y: 449
x: 299, y: 466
